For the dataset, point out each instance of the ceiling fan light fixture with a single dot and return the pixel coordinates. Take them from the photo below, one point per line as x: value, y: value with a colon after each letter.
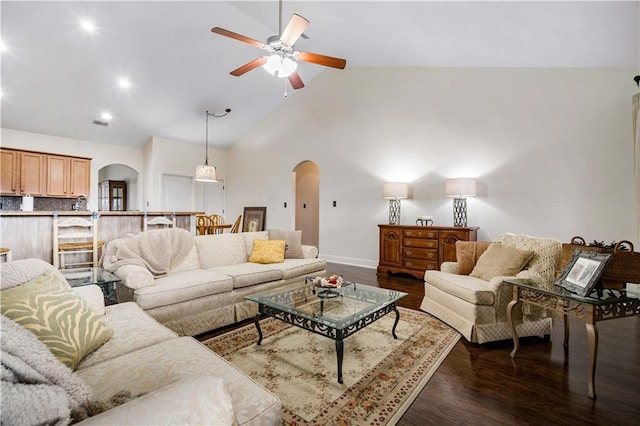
x: 288, y: 67
x: 273, y: 64
x: 283, y: 67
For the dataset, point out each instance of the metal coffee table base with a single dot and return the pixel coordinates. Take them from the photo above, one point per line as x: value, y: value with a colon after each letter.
x: 325, y: 330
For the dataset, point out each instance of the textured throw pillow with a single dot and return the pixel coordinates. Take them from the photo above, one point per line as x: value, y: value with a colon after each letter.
x: 51, y: 310
x: 293, y: 241
x: 500, y: 260
x: 468, y: 253
x: 267, y: 251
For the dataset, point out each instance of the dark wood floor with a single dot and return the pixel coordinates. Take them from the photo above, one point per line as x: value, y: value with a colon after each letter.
x: 543, y: 386
x: 482, y: 385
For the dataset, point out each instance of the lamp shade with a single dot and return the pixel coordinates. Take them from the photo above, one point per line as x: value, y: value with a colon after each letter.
x: 206, y: 173
x: 460, y: 187
x: 395, y: 190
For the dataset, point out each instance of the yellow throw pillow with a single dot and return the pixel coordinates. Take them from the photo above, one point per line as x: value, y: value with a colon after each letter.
x: 267, y: 251
x: 500, y: 260
x: 50, y: 309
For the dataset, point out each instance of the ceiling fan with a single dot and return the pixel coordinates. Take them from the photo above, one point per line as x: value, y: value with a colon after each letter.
x: 281, y: 59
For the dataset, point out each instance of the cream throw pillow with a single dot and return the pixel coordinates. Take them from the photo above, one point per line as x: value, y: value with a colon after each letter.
x: 50, y: 309
x: 500, y: 260
x: 293, y: 242
x: 267, y: 251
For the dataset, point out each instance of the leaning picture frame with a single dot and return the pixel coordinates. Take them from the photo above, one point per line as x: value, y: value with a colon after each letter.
x: 254, y: 219
x: 582, y: 272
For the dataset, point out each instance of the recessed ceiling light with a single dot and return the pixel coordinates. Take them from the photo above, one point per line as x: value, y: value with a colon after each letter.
x: 88, y: 26
x: 124, y: 83
x: 106, y: 116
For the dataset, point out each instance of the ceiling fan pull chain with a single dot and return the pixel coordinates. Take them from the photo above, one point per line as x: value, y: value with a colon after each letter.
x: 285, y: 87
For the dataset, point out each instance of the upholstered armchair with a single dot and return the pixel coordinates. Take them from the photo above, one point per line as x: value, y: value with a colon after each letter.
x: 470, y: 294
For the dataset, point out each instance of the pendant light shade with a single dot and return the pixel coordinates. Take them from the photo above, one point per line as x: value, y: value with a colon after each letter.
x: 205, y: 172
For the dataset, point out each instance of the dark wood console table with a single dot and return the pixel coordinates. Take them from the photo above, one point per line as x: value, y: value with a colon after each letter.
x: 609, y: 304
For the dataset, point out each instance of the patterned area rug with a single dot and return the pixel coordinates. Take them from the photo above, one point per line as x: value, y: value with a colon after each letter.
x: 382, y: 375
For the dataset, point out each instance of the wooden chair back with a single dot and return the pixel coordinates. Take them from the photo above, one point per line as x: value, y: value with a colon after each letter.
x: 236, y: 225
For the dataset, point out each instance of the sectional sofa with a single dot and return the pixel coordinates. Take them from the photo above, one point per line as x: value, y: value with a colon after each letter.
x: 200, y: 284
x: 123, y: 367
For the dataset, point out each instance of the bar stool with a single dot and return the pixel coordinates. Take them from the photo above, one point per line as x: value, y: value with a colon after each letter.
x: 75, y: 235
x: 158, y: 221
x: 6, y: 253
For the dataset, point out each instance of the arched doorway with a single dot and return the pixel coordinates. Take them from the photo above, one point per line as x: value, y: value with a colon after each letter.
x: 121, y: 172
x: 306, y: 179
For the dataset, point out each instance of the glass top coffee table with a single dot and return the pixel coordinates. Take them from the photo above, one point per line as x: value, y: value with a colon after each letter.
x: 84, y: 276
x: 335, y: 313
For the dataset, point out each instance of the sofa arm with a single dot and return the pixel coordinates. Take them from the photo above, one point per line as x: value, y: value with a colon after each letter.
x: 309, y: 252
x: 134, y: 276
x: 201, y: 400
x: 449, y: 267
x: 93, y: 296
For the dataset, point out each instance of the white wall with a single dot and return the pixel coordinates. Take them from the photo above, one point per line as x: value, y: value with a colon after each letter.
x: 551, y: 148
x: 177, y: 158
x: 101, y: 154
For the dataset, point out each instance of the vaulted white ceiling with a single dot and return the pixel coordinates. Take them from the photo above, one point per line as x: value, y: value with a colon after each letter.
x: 56, y: 79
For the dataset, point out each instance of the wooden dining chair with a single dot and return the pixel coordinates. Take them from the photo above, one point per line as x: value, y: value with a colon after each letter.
x: 203, y: 225
x: 236, y: 225
x: 216, y: 219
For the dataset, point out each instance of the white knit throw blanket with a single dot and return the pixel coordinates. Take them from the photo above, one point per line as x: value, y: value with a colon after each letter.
x: 158, y: 250
x: 36, y: 387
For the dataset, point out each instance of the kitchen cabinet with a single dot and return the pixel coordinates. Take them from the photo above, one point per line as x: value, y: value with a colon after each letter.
x: 44, y: 175
x: 9, y: 172
x: 415, y: 249
x: 68, y: 177
x: 32, y: 179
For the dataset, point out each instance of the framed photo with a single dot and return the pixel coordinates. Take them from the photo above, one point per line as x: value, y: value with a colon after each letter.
x: 583, y: 271
x: 254, y: 219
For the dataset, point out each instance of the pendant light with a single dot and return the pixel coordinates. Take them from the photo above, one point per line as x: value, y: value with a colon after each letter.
x: 205, y: 172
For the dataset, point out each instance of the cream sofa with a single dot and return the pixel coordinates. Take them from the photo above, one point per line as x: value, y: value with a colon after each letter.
x: 206, y: 289
x: 170, y: 379
x: 477, y: 307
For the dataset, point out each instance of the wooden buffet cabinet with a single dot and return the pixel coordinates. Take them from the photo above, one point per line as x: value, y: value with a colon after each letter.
x: 414, y: 249
x: 44, y: 175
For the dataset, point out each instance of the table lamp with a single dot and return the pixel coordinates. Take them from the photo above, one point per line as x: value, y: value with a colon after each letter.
x: 460, y: 188
x: 394, y: 192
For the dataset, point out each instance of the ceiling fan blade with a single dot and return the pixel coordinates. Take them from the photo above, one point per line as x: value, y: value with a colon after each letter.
x: 237, y: 36
x: 249, y: 66
x: 296, y: 26
x: 327, y: 61
x: 296, y: 81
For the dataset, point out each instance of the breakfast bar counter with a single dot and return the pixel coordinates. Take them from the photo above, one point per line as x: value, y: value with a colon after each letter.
x: 30, y: 234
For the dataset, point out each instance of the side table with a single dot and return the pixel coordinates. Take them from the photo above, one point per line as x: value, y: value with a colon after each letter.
x: 85, y: 276
x: 608, y: 304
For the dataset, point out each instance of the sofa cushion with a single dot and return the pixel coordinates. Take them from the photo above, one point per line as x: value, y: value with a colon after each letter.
x: 182, y: 286
x: 267, y: 251
x: 132, y: 328
x: 248, y: 274
x: 167, y: 362
x: 61, y: 319
x: 220, y: 250
x: 248, y: 238
x: 20, y: 271
x: 293, y: 240
x: 292, y: 268
x: 546, y: 258
x: 174, y: 404
x: 190, y: 263
x: 468, y: 253
x: 499, y: 260
x: 473, y: 290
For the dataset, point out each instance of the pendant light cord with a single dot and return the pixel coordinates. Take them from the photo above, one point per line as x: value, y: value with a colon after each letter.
x: 206, y: 137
